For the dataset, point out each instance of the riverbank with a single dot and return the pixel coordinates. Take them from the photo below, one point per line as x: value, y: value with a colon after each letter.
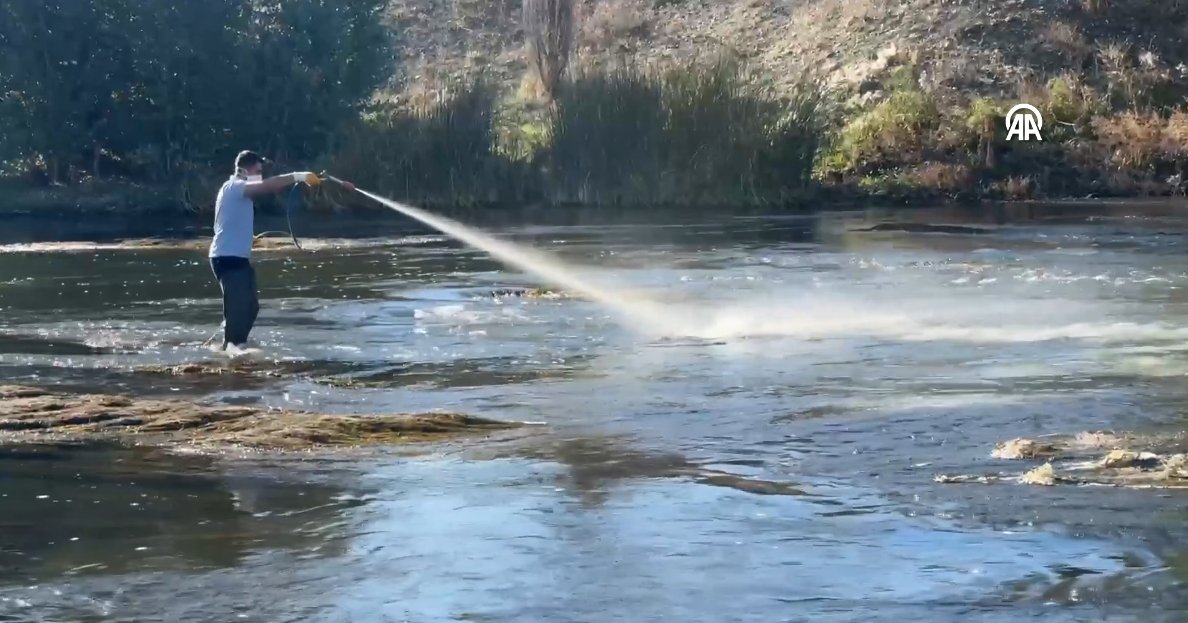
x: 131, y: 205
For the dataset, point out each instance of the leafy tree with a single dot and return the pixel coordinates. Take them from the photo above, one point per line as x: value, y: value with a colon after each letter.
x: 152, y: 89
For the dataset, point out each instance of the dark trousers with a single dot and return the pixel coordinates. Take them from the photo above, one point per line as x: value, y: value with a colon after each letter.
x: 237, y: 280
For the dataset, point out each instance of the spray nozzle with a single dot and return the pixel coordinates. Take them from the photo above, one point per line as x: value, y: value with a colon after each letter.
x: 345, y: 184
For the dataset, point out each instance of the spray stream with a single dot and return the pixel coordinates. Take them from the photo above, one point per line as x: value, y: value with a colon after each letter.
x: 643, y: 315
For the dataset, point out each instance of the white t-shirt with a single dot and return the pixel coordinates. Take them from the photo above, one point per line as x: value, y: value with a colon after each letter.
x: 234, y: 221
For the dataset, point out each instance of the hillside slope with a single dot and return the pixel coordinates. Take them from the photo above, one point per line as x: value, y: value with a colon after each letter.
x: 913, y: 106
x: 923, y: 84
x: 983, y: 46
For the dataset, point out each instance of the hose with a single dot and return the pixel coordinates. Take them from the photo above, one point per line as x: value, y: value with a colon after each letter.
x: 294, y: 199
x: 291, y: 202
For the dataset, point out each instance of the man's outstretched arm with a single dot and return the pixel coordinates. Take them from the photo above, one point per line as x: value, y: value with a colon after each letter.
x: 273, y: 184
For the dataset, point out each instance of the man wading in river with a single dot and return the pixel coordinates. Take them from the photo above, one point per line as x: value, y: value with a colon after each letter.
x: 231, y: 249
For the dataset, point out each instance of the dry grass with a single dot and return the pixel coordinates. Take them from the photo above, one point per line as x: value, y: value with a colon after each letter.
x: 1069, y: 41
x: 1018, y: 188
x: 955, y: 69
x: 613, y: 22
x: 1143, y: 142
x: 940, y: 176
x: 1067, y: 102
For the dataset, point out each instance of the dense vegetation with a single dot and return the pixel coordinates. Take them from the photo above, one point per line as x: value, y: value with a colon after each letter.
x: 1102, y: 137
x: 150, y: 99
x: 163, y: 94
x: 700, y: 135
x: 153, y: 90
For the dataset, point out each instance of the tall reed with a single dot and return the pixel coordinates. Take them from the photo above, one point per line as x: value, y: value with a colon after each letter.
x: 442, y: 153
x: 697, y: 135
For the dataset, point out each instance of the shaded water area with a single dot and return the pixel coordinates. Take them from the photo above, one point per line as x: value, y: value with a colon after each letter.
x: 778, y: 466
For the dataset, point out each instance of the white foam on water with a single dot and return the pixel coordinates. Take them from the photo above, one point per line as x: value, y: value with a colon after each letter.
x: 464, y: 315
x: 817, y: 320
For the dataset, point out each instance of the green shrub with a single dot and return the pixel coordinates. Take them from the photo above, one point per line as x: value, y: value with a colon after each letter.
x: 895, y: 131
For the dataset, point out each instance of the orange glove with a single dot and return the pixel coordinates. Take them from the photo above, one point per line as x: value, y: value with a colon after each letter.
x: 307, y: 177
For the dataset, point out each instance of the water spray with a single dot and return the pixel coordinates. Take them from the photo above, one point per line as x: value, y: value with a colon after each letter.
x: 644, y: 315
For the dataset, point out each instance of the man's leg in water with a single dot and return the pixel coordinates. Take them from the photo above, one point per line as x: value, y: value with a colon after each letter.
x: 255, y: 305
x: 237, y: 279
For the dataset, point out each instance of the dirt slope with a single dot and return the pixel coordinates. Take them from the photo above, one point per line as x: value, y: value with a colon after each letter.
x: 984, y: 46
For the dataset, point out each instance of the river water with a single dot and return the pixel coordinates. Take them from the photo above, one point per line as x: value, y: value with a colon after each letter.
x: 777, y: 467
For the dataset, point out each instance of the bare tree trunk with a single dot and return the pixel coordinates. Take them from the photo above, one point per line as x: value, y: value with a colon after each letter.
x: 988, y: 152
x: 548, y: 31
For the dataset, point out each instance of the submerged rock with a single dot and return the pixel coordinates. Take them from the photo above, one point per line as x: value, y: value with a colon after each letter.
x: 925, y: 228
x: 1099, y: 439
x: 1126, y: 458
x: 1176, y: 466
x: 33, y: 344
x: 36, y: 414
x: 963, y: 478
x: 1078, y: 459
x: 1044, y: 475
x: 1023, y: 448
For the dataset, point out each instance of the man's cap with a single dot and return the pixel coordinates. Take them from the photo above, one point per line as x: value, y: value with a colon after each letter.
x: 248, y: 158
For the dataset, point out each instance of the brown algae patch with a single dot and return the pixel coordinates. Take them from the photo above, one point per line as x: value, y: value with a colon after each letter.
x: 37, y: 415
x: 347, y: 375
x: 259, y: 369
x: 529, y: 293
x: 268, y: 241
x: 245, y: 367
x: 1092, y: 458
x: 262, y: 242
